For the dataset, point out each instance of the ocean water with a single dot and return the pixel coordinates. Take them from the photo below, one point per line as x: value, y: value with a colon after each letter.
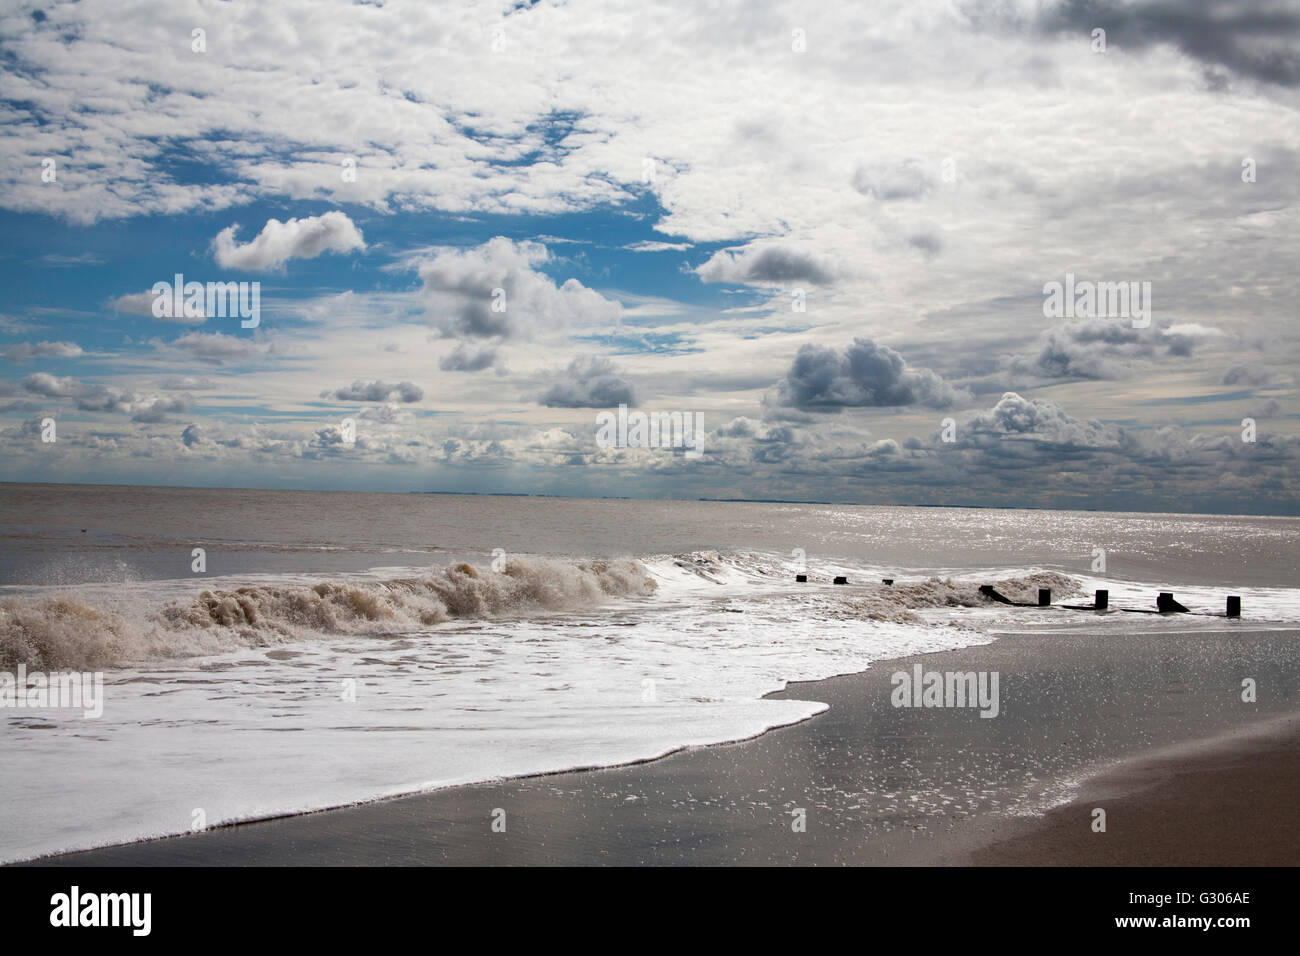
x: 339, y: 648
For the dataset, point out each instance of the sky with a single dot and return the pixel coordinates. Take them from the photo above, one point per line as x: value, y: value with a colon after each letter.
x: 828, y: 232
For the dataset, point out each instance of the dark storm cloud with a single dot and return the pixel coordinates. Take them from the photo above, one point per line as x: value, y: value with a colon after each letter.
x: 768, y: 265
x: 465, y: 358
x: 1023, y: 447
x: 1104, y: 348
x: 862, y: 375
x: 1247, y: 374
x: 360, y: 391
x: 90, y: 397
x: 1019, y: 449
x: 329, y: 442
x: 589, y: 383
x: 1088, y: 348
x: 1271, y: 408
x: 931, y: 243
x: 1258, y: 39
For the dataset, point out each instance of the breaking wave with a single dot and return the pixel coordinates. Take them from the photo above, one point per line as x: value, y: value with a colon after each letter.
x: 64, y: 633
x: 896, y: 603
x: 71, y: 630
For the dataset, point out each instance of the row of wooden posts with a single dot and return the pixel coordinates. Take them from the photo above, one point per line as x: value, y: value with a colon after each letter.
x: 1165, y: 603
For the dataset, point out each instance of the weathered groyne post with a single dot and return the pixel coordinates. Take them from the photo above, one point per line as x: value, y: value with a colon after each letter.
x: 1102, y: 600
x: 1167, y: 605
x: 801, y: 578
x: 840, y: 580
x: 990, y: 592
x: 1044, y: 597
x: 1234, y: 605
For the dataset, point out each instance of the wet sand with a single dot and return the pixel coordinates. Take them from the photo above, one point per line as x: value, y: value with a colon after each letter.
x: 1227, y: 801
x: 884, y: 785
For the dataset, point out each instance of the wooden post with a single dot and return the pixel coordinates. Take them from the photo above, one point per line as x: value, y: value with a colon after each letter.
x: 1234, y: 605
x: 1044, y: 597
x: 1102, y: 600
x: 1166, y: 604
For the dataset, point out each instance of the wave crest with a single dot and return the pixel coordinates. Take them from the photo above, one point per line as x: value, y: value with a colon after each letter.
x: 896, y: 603
x: 65, y: 633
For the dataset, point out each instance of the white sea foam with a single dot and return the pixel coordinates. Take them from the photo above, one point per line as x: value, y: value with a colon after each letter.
x: 95, y: 627
x: 559, y: 665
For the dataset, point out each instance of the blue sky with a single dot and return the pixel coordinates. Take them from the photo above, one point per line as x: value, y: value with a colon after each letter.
x: 825, y: 228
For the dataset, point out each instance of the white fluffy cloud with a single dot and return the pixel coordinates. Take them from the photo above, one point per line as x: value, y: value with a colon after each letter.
x: 90, y: 397
x: 278, y: 242
x: 498, y: 291
x: 911, y: 165
x: 1016, y: 417
x: 23, y: 351
x: 571, y: 106
x: 214, y: 348
x: 141, y: 303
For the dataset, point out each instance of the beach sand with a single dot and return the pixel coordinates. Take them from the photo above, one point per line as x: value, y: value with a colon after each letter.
x: 879, y: 784
x: 1227, y: 801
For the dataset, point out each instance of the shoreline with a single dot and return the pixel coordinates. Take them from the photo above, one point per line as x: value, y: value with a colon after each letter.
x: 876, y: 784
x: 1226, y: 799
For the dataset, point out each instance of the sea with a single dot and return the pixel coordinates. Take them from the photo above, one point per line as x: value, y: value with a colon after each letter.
x: 268, y: 653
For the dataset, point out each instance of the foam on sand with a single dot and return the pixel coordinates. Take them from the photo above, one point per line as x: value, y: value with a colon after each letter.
x: 402, y: 680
